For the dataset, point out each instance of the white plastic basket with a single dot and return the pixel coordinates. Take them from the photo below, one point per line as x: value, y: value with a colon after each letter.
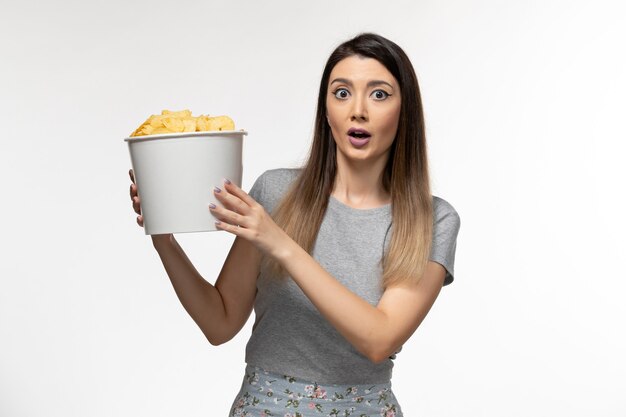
x: 176, y: 173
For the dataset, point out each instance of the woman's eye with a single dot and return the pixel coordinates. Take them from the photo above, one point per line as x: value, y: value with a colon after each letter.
x: 380, y: 94
x: 341, y: 93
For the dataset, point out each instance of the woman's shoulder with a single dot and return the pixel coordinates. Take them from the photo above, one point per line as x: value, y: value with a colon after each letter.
x: 444, y: 212
x: 272, y: 184
x: 280, y: 176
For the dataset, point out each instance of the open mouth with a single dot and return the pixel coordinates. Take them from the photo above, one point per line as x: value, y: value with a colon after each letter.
x: 359, y: 133
x: 359, y: 137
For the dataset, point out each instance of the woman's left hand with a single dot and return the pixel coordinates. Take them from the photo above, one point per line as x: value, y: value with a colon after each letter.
x: 242, y: 216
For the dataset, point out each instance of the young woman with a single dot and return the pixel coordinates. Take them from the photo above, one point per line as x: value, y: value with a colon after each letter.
x: 341, y: 259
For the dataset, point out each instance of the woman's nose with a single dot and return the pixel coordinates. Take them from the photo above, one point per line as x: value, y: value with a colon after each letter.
x: 359, y: 109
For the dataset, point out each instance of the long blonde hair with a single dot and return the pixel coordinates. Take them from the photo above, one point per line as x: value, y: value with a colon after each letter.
x: 405, y: 177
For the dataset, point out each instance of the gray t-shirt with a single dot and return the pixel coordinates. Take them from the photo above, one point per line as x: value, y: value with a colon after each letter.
x: 289, y: 335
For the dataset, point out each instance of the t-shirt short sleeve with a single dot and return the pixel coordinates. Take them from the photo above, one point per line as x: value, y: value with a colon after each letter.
x: 445, y: 231
x: 270, y: 187
x: 257, y: 190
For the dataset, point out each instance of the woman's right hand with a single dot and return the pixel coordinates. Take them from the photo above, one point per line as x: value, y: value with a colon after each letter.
x: 135, y: 198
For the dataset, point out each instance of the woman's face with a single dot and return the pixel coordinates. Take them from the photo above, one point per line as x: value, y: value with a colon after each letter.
x: 363, y: 108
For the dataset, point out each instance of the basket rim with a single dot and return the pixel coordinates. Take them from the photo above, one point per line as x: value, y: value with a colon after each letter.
x: 186, y: 134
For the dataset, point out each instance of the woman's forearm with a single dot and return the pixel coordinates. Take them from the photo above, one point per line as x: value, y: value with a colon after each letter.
x: 375, y: 331
x: 200, y: 299
x: 362, y: 324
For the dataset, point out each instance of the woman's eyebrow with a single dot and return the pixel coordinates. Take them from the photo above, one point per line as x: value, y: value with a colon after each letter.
x: 372, y: 83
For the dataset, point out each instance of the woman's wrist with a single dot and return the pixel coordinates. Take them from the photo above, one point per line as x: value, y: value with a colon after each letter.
x: 162, y: 240
x: 285, y: 253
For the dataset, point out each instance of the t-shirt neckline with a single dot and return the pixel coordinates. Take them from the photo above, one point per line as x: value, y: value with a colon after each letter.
x: 334, y: 203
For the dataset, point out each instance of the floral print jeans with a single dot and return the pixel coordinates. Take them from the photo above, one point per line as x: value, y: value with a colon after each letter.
x: 266, y: 394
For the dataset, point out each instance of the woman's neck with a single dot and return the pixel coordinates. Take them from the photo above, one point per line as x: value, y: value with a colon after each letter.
x: 359, y: 184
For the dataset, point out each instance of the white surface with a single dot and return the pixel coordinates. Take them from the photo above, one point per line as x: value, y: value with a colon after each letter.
x: 524, y: 109
x: 175, y: 176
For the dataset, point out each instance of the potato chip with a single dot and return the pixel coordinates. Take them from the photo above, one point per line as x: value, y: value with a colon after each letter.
x: 182, y: 121
x: 189, y: 125
x: 221, y: 123
x: 173, y: 124
x: 182, y: 113
x: 146, y: 130
x: 136, y: 132
x: 202, y: 123
x: 160, y: 130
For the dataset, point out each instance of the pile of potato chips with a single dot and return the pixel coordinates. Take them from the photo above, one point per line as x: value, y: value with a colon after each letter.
x: 182, y: 121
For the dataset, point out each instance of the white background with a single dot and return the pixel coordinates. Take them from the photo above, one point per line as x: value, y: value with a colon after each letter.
x: 524, y: 106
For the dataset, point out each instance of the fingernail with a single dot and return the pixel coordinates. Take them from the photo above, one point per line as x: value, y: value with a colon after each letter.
x: 218, y: 222
x: 218, y: 190
x: 226, y: 181
x: 212, y: 205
